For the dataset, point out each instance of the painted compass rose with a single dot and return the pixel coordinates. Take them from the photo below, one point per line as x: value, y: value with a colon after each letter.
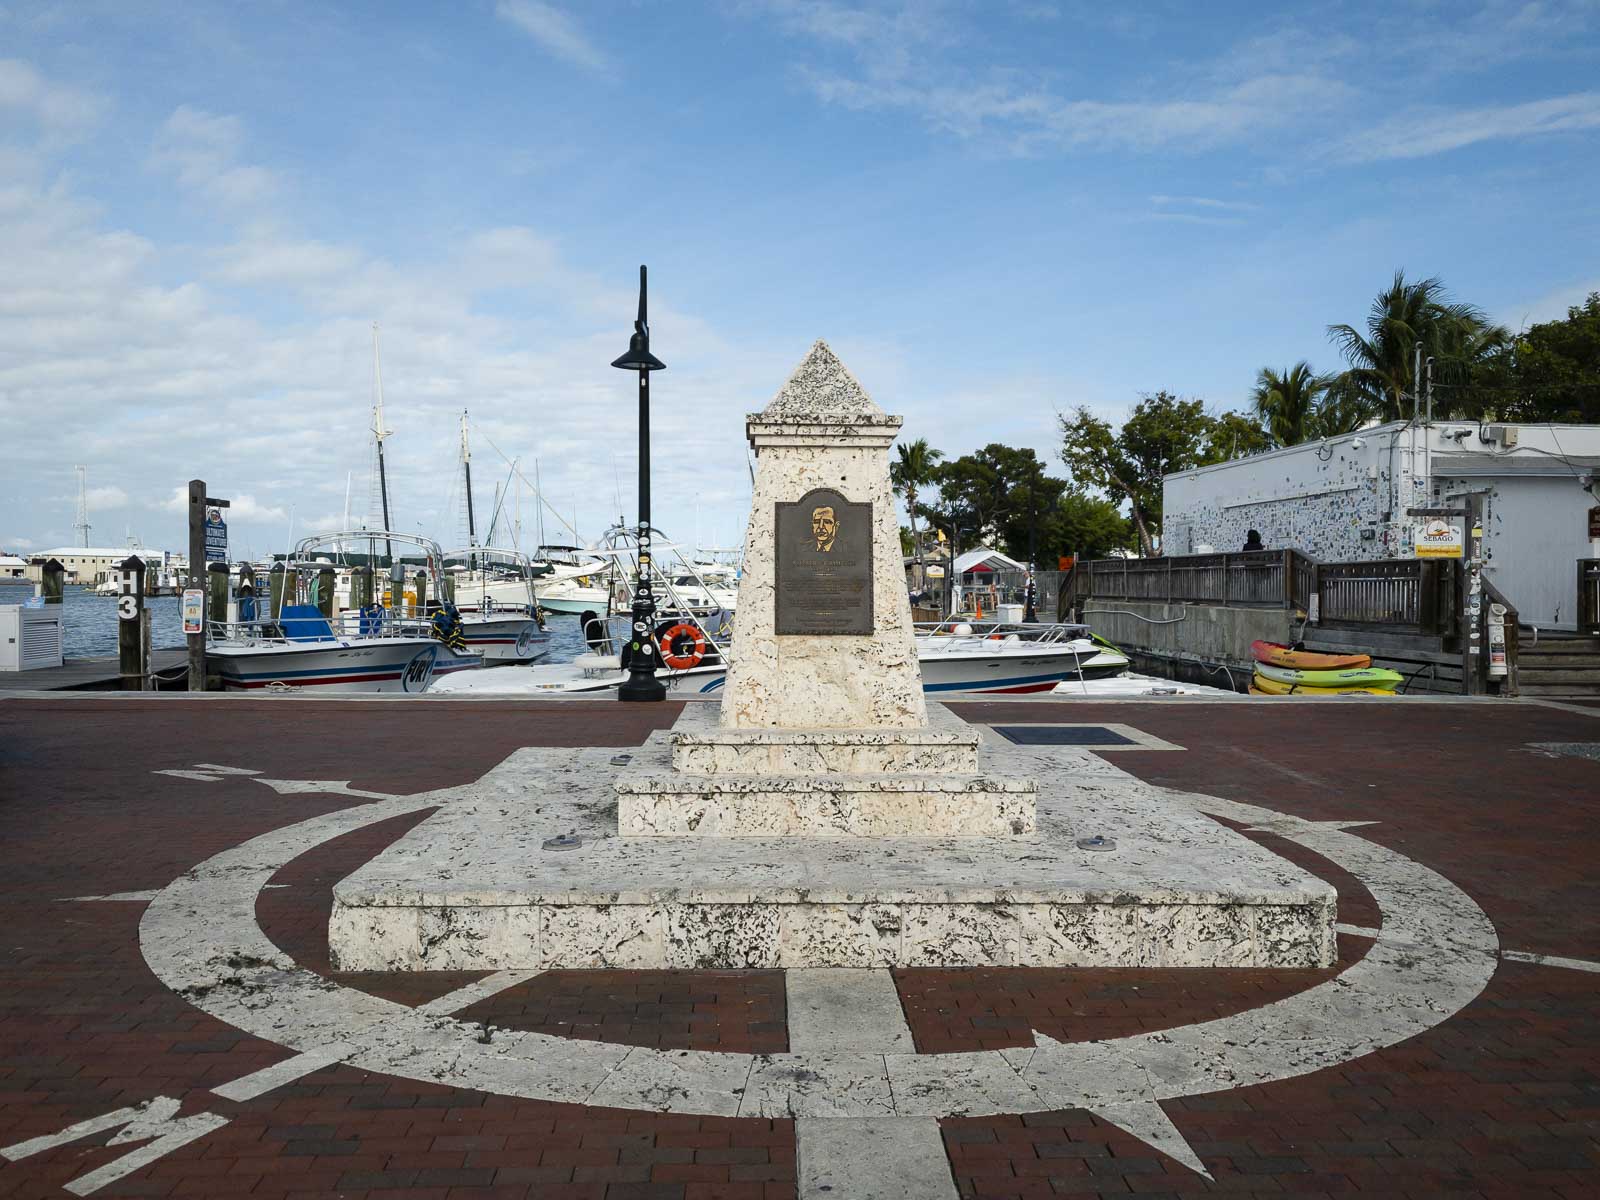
x: 1434, y: 953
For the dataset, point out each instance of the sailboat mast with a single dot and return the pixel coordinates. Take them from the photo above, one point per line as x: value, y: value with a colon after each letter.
x: 538, y: 487
x: 466, y: 472
x: 380, y: 433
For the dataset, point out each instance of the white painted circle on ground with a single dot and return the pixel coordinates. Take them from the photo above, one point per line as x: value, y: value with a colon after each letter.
x: 1434, y: 955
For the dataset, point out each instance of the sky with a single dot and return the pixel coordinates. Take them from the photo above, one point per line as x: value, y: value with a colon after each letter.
x: 993, y: 211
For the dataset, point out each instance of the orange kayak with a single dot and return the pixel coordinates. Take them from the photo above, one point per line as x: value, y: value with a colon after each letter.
x: 1278, y: 655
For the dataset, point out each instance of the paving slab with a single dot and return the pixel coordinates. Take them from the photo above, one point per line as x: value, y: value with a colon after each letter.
x: 1496, y: 1098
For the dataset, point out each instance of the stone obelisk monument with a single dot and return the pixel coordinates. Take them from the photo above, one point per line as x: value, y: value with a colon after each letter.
x: 822, y: 638
x: 823, y: 730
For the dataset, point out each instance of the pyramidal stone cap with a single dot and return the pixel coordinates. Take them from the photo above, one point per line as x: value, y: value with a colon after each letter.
x: 821, y: 391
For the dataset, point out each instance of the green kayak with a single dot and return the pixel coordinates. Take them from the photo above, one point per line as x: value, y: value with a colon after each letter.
x: 1366, y: 677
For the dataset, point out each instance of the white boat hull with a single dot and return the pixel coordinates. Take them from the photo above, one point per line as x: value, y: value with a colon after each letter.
x: 572, y: 603
x: 403, y: 665
x: 1011, y: 670
x: 505, y: 639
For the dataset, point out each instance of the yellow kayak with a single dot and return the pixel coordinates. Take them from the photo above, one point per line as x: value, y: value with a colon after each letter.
x: 1271, y: 687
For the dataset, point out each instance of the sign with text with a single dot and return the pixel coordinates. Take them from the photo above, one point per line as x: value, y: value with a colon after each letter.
x: 824, y: 566
x: 194, y: 610
x: 216, y: 535
x: 1438, y: 538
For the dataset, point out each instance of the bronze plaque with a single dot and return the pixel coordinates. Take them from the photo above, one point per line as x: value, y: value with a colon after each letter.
x: 824, y: 566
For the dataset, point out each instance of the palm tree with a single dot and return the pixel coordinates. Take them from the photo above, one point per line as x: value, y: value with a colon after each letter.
x: 1342, y: 409
x: 1382, y: 360
x: 913, y: 469
x: 1287, y: 402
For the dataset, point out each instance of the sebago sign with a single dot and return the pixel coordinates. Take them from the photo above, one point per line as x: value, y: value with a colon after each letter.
x: 1438, y: 538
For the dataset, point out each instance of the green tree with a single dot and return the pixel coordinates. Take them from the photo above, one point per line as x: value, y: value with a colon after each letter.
x: 1002, y: 496
x: 1163, y: 434
x: 1549, y: 372
x: 912, y: 471
x: 1381, y: 361
x: 1085, y: 525
x: 1231, y: 435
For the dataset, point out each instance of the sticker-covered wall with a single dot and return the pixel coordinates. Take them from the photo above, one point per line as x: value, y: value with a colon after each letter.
x: 1345, y: 500
x: 1339, y: 501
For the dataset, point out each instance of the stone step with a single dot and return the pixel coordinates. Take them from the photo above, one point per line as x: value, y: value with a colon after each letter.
x: 826, y: 752
x: 678, y: 804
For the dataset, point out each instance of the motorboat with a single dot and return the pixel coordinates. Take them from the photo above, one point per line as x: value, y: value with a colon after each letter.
x: 576, y: 581
x: 306, y: 639
x: 1011, y: 656
x: 493, y: 590
x: 954, y: 656
x: 304, y: 648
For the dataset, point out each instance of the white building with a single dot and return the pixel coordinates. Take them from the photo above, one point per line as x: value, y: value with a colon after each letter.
x: 12, y: 567
x: 1345, y: 500
x: 93, y: 564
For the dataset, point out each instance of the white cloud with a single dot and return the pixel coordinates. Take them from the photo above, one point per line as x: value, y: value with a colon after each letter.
x: 202, y: 150
x: 900, y: 64
x: 109, y: 496
x: 57, y: 107
x: 1419, y: 134
x: 152, y: 372
x: 1552, y: 306
x: 265, y: 256
x: 1204, y: 202
x: 1030, y: 118
x: 553, y: 29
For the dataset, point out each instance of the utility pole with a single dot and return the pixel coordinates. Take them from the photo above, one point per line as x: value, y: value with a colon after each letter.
x: 1416, y: 377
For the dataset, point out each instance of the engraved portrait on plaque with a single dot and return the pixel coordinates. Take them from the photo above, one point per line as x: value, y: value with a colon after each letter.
x: 824, y: 566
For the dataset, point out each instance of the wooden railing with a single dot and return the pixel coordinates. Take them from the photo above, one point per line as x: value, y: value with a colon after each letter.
x: 1405, y: 594
x: 1255, y: 579
x: 1402, y: 595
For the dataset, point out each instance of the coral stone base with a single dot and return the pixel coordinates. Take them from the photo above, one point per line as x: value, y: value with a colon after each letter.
x: 473, y: 888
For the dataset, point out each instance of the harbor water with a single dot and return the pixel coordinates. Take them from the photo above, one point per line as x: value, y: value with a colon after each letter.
x: 90, y: 625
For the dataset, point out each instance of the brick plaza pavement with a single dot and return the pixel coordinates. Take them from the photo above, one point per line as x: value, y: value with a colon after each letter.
x: 1502, y: 1099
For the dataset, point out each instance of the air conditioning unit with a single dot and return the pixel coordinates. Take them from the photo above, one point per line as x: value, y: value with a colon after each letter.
x: 1504, y: 436
x: 30, y: 638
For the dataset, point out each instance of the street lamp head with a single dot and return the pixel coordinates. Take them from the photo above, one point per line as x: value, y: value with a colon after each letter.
x: 638, y: 357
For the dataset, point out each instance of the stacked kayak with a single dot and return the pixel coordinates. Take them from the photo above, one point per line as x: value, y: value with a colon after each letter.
x: 1284, y: 671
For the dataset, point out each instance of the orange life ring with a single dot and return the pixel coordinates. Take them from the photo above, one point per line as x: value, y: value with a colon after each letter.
x: 673, y: 652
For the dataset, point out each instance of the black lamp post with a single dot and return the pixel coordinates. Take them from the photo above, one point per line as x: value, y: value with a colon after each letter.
x: 642, y: 683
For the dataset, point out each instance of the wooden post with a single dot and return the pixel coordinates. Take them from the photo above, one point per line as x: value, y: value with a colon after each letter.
x: 277, y: 584
x: 132, y: 663
x: 216, y: 593
x: 246, y: 592
x: 422, y: 592
x: 326, y: 581
x: 361, y: 587
x: 52, y: 581
x: 196, y: 581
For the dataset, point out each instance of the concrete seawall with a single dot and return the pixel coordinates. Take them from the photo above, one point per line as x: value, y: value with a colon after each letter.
x: 1188, y: 641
